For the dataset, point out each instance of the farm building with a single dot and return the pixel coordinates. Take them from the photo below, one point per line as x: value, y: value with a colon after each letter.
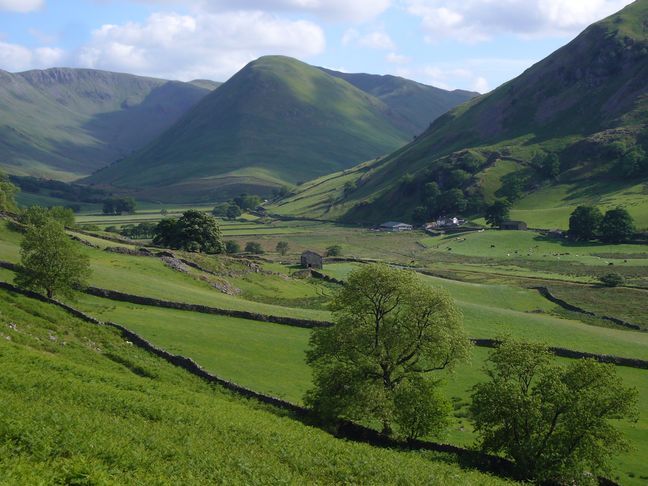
x: 514, y: 226
x: 395, y: 227
x: 310, y: 259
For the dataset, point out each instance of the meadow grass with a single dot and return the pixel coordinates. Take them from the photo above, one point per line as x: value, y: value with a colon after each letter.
x: 81, y: 406
x: 530, y: 245
x: 271, y: 358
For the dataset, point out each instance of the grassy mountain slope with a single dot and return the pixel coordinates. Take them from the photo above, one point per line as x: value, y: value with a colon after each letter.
x: 276, y: 121
x: 418, y: 103
x: 587, y: 103
x: 82, y: 406
x: 67, y: 123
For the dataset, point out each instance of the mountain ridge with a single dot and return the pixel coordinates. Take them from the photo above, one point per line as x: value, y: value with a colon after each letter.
x: 276, y: 121
x: 65, y: 123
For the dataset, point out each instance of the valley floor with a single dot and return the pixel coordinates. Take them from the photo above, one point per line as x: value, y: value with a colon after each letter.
x: 490, y: 281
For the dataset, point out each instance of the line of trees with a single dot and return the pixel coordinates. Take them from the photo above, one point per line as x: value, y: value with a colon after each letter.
x: 587, y: 223
x: 119, y: 205
x: 393, y: 334
x: 235, y: 207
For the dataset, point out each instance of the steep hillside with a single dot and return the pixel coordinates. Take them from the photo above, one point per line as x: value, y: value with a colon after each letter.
x: 418, y: 103
x: 277, y: 121
x: 571, y: 129
x: 67, y: 123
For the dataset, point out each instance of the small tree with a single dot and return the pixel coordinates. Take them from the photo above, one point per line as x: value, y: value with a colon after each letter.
x: 552, y: 421
x: 617, y: 226
x: 164, y: 211
x: 7, y: 193
x: 334, y: 251
x: 391, y: 331
x: 50, y: 261
x: 498, y: 212
x: 584, y: 223
x: 282, y: 247
x: 220, y: 210
x: 254, y: 248
x: 38, y: 215
x: 233, y: 211
x: 232, y: 247
x: 612, y: 280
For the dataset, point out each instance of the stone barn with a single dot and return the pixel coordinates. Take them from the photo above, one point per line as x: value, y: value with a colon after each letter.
x: 310, y: 259
x: 514, y: 226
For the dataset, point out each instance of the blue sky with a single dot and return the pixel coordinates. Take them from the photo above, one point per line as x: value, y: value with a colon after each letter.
x: 472, y: 44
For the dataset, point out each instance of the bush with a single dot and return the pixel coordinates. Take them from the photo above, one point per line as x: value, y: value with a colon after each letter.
x: 282, y: 247
x: 232, y: 247
x: 334, y: 251
x: 612, y: 280
x: 254, y: 248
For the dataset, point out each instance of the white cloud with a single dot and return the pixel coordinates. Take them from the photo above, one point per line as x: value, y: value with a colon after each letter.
x: 471, y: 74
x: 377, y: 40
x: 14, y: 57
x: 372, y: 40
x: 479, y: 20
x: 21, y: 6
x: 338, y: 10
x: 200, y: 45
x: 395, y: 58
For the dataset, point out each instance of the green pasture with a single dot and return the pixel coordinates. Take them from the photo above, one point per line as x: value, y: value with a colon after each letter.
x: 551, y: 207
x: 521, y: 245
x: 65, y: 381
x: 270, y: 358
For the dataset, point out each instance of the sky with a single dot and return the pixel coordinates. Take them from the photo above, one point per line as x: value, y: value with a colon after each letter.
x: 467, y: 44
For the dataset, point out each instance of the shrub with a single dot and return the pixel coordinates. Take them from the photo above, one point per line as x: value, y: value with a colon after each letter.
x: 612, y: 280
x: 232, y: 247
x: 334, y: 251
x: 254, y: 248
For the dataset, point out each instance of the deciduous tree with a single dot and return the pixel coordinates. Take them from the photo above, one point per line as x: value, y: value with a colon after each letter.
x: 51, y: 261
x: 391, y: 331
x: 498, y: 212
x: 553, y: 421
x: 584, y: 223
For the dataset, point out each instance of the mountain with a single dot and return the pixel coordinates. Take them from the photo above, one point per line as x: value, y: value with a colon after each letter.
x: 570, y: 130
x: 418, y: 103
x: 67, y: 123
x: 276, y: 121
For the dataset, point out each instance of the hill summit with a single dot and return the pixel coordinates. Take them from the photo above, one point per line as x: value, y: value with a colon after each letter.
x: 569, y: 130
x: 276, y: 121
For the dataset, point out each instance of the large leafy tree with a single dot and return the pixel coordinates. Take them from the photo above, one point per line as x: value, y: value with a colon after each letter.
x: 194, y: 231
x: 584, y: 223
x: 7, y: 193
x: 391, y: 332
x: 552, y: 421
x: 51, y: 261
x: 617, y: 226
x: 498, y: 212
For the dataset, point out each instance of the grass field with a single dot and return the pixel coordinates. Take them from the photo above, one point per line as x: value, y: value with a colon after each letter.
x: 65, y: 381
x: 552, y: 206
x: 270, y: 358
